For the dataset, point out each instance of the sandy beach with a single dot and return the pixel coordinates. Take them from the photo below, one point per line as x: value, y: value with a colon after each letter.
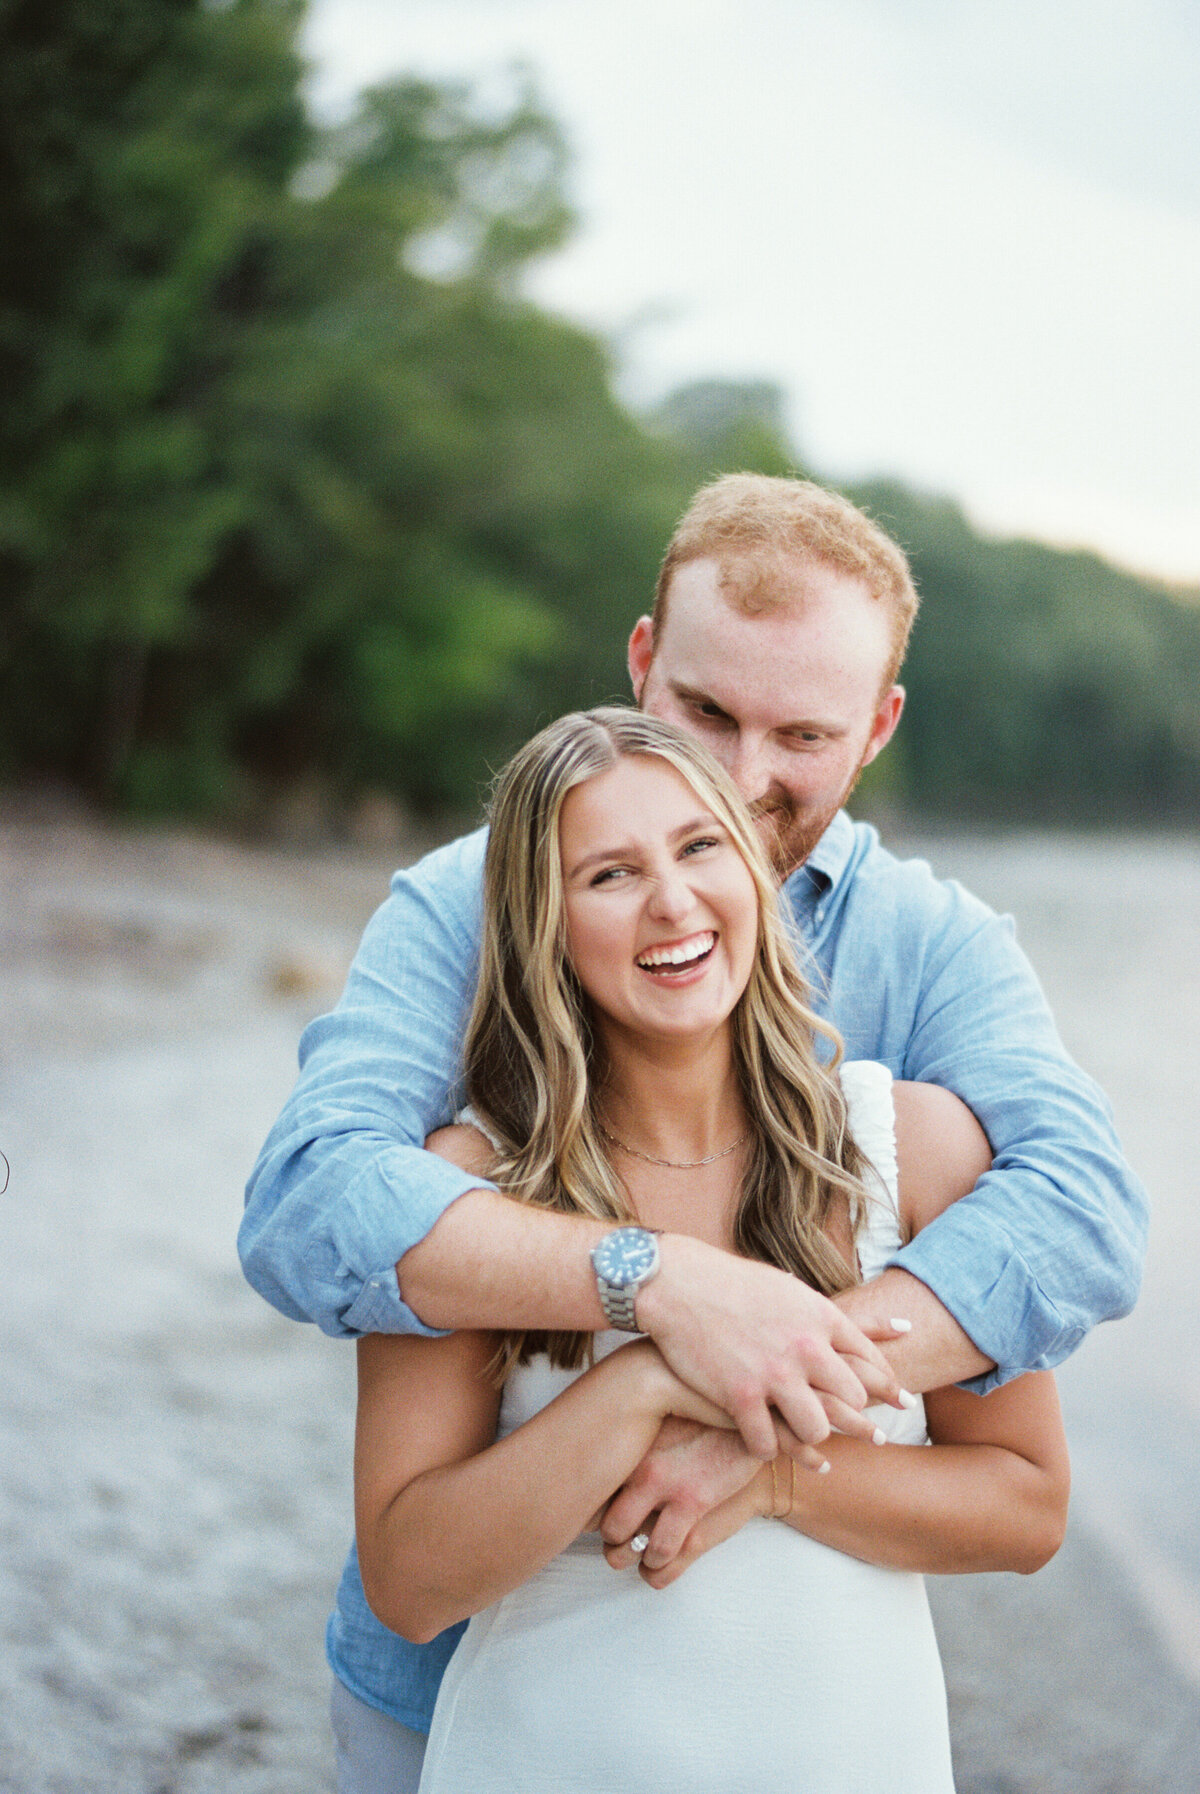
x: 175, y: 1457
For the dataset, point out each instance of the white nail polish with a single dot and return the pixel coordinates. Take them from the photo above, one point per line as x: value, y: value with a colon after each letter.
x: 879, y: 1437
x: 908, y: 1399
x: 900, y: 1326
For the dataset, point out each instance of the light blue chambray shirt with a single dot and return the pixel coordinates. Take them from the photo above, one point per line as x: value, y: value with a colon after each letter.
x: 914, y: 971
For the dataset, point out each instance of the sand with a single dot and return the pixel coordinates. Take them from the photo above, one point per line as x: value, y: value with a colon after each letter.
x: 174, y: 1456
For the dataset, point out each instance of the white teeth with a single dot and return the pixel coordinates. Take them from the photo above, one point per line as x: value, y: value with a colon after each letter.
x: 682, y: 955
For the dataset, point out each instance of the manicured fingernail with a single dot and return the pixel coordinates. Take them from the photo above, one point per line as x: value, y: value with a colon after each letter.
x: 907, y: 1399
x: 879, y: 1437
x: 824, y: 1467
x: 900, y: 1326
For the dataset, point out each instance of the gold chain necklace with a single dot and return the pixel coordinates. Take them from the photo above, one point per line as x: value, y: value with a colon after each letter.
x: 674, y: 1164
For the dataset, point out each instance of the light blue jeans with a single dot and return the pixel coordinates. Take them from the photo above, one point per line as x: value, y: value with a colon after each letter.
x: 374, y: 1753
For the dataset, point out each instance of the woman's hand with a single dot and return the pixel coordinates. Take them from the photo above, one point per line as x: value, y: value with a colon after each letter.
x: 754, y: 1501
x: 689, y: 1471
x: 658, y: 1391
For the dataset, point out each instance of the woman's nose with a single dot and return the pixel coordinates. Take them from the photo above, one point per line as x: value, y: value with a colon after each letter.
x: 672, y: 897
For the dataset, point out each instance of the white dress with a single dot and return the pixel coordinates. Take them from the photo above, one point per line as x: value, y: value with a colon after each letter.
x: 774, y: 1665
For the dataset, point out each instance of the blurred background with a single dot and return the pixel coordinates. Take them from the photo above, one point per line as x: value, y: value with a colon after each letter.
x: 355, y: 362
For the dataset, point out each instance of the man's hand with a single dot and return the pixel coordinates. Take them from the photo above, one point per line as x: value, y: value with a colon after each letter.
x: 763, y: 1347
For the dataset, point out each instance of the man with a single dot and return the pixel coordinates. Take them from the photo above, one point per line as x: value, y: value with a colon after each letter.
x: 780, y: 623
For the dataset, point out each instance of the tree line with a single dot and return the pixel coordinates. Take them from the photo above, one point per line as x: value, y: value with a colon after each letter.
x: 297, y: 487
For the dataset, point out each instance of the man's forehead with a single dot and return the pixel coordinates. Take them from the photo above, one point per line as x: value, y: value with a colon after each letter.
x: 811, y: 659
x: 809, y: 602
x: 761, y: 582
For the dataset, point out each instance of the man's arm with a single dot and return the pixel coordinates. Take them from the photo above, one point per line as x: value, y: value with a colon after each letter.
x: 772, y: 1353
x: 343, y: 1188
x: 1051, y: 1238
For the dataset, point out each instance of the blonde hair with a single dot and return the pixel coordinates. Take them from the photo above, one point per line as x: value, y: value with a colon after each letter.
x: 533, y: 1061
x: 751, y: 523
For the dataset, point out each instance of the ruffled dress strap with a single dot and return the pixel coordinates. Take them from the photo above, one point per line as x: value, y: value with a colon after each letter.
x: 871, y: 1112
x: 468, y: 1118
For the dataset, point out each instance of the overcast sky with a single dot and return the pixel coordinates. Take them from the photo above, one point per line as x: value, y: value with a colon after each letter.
x: 963, y: 236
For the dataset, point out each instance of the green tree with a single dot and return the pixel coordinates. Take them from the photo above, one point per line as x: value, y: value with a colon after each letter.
x: 1042, y: 684
x: 293, y: 479
x: 142, y: 148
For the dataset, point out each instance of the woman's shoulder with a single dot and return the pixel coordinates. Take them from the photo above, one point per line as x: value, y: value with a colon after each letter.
x: 941, y: 1151
x: 464, y: 1145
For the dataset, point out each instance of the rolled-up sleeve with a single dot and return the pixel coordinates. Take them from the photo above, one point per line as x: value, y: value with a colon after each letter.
x: 1052, y: 1239
x: 342, y: 1188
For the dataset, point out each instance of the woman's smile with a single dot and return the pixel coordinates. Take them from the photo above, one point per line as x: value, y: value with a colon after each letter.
x: 661, y: 909
x: 674, y: 959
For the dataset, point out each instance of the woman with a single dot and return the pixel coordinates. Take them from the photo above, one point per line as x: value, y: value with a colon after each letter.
x: 640, y: 1050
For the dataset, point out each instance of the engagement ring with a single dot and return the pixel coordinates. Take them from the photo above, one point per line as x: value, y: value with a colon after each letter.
x: 639, y: 1541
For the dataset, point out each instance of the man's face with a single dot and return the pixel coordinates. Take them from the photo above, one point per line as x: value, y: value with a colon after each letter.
x: 790, y: 700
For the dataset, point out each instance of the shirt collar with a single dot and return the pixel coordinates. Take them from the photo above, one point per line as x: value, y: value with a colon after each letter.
x: 825, y: 864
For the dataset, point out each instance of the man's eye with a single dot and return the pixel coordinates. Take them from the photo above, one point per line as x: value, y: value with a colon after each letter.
x: 712, y: 713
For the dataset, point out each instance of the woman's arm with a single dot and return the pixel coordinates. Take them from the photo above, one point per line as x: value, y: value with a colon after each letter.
x: 449, y: 1519
x: 990, y: 1492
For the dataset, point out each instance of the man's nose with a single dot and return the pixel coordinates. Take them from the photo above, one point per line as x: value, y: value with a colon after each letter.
x: 747, y: 763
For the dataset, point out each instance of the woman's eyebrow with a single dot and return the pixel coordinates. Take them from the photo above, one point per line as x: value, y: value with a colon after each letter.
x: 705, y: 819
x: 598, y: 855
x: 625, y: 849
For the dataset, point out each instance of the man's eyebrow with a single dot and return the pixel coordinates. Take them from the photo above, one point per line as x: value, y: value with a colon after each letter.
x: 694, y: 694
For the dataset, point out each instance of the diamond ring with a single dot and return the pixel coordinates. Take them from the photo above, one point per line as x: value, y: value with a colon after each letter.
x: 639, y: 1541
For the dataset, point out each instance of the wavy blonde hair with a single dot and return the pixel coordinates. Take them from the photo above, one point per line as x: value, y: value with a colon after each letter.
x: 534, y: 1062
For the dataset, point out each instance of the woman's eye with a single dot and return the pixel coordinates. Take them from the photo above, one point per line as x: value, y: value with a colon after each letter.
x: 609, y: 875
x: 701, y: 842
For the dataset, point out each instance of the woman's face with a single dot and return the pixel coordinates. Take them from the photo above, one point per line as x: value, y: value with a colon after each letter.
x: 661, y: 909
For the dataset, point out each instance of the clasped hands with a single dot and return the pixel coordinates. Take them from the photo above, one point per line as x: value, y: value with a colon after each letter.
x: 786, y: 1364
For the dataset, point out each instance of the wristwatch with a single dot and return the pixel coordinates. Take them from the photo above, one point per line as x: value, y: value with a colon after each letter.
x: 623, y: 1261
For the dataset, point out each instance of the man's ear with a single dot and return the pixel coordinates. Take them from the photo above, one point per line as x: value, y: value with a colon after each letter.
x: 641, y: 653
x: 886, y: 718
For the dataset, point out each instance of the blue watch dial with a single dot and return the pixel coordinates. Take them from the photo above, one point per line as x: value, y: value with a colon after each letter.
x: 625, y: 1256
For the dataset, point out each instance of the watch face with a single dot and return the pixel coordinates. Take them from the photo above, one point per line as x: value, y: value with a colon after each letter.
x: 626, y: 1256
